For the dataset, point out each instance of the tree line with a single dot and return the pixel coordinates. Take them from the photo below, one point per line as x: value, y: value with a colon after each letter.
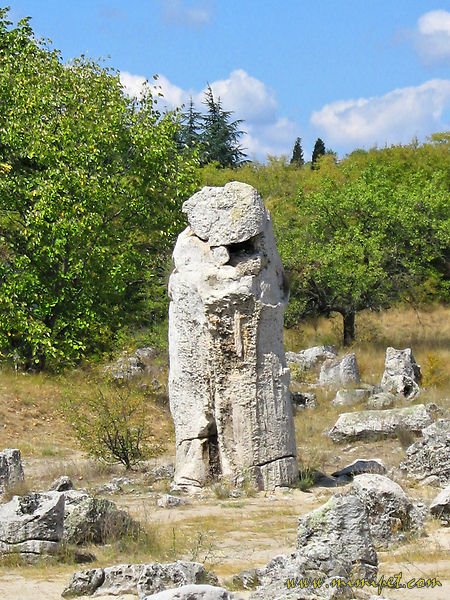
x: 91, y: 188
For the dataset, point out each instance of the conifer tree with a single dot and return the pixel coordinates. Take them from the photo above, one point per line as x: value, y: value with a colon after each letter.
x: 297, y: 154
x: 318, y: 151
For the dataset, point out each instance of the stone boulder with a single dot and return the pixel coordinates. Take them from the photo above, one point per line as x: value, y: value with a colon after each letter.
x: 11, y: 470
x: 361, y: 465
x: 169, y: 501
x: 429, y: 457
x: 32, y: 525
x: 62, y: 484
x: 140, y: 579
x: 333, y: 541
x: 402, y: 374
x: 91, y: 520
x: 377, y: 424
x: 340, y: 372
x: 228, y: 380
x: 129, y: 366
x: 440, y: 506
x: 380, y: 401
x: 311, y: 357
x: 350, y: 397
x: 194, y: 592
x: 389, y: 509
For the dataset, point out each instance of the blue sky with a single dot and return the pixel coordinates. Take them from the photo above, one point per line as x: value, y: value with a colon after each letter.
x: 357, y: 73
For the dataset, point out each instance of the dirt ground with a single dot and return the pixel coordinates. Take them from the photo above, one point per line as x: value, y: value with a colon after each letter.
x: 238, y: 534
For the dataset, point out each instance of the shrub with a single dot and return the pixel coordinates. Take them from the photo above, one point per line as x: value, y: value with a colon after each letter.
x: 112, y: 425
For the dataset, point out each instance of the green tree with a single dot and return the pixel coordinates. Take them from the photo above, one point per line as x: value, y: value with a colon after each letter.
x: 91, y: 184
x: 318, y: 151
x: 190, y: 130
x: 366, y: 243
x: 220, y: 137
x: 297, y: 154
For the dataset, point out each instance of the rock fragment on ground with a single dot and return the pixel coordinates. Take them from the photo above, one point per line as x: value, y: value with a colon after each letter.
x: 380, y: 401
x: 390, y: 511
x: 402, y: 374
x: 194, y: 592
x: 350, y: 396
x: 440, y: 506
x: 138, y: 579
x: 32, y: 525
x: 304, y: 400
x: 430, y: 456
x: 340, y: 372
x: 362, y: 465
x: 62, y: 484
x: 11, y: 469
x: 311, y: 357
x: 378, y: 424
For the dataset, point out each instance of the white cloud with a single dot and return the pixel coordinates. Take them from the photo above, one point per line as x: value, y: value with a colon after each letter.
x: 183, y: 12
x: 393, y: 118
x: 432, y: 38
x: 245, y: 96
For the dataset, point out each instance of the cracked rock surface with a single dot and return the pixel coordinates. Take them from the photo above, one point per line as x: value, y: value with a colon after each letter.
x: 228, y: 381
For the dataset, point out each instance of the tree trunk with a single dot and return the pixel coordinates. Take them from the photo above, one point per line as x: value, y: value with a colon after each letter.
x: 349, y: 327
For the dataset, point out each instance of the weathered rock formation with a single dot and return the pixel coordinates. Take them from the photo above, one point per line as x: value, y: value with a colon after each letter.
x: 376, y: 424
x: 430, y: 456
x: 11, y: 470
x: 440, y: 506
x: 32, y: 525
x: 390, y: 512
x: 401, y: 373
x: 138, y: 579
x: 311, y: 357
x: 228, y: 382
x: 337, y: 372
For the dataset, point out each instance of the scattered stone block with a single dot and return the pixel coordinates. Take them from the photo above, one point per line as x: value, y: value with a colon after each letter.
x: 440, y: 506
x: 311, y: 357
x: 11, y: 469
x: 378, y: 424
x: 402, y: 374
x: 340, y: 372
x: 350, y: 396
x: 32, y: 525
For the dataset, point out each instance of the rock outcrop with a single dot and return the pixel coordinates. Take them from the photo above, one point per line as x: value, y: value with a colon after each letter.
x: 376, y: 424
x: 228, y: 382
x: 11, y: 470
x: 390, y: 512
x: 401, y: 373
x: 311, y: 357
x: 340, y: 372
x: 194, y: 592
x: 333, y: 541
x: 440, y: 506
x: 139, y: 579
x: 429, y: 457
x: 32, y: 525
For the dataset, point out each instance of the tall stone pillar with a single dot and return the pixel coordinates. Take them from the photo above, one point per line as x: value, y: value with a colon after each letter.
x: 228, y: 381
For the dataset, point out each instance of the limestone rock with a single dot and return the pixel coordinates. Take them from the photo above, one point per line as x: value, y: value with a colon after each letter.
x: 333, y: 541
x: 137, y: 579
x: 129, y: 366
x: 401, y: 373
x: 158, y: 577
x: 440, y: 507
x: 376, y: 424
x: 169, y: 501
x: 228, y: 381
x: 361, y: 465
x: 388, y: 508
x: 381, y: 401
x: 194, y: 592
x: 91, y: 520
x: 351, y: 396
x: 430, y: 456
x: 62, y: 484
x: 335, y: 538
x: 84, y: 583
x: 32, y: 524
x: 247, y: 580
x: 228, y: 215
x: 11, y: 470
x: 311, y: 357
x: 338, y: 372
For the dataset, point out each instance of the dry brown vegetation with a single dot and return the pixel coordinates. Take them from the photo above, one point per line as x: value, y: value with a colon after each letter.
x: 229, y: 534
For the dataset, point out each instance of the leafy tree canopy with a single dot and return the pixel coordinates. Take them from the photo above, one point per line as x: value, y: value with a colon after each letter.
x: 91, y: 184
